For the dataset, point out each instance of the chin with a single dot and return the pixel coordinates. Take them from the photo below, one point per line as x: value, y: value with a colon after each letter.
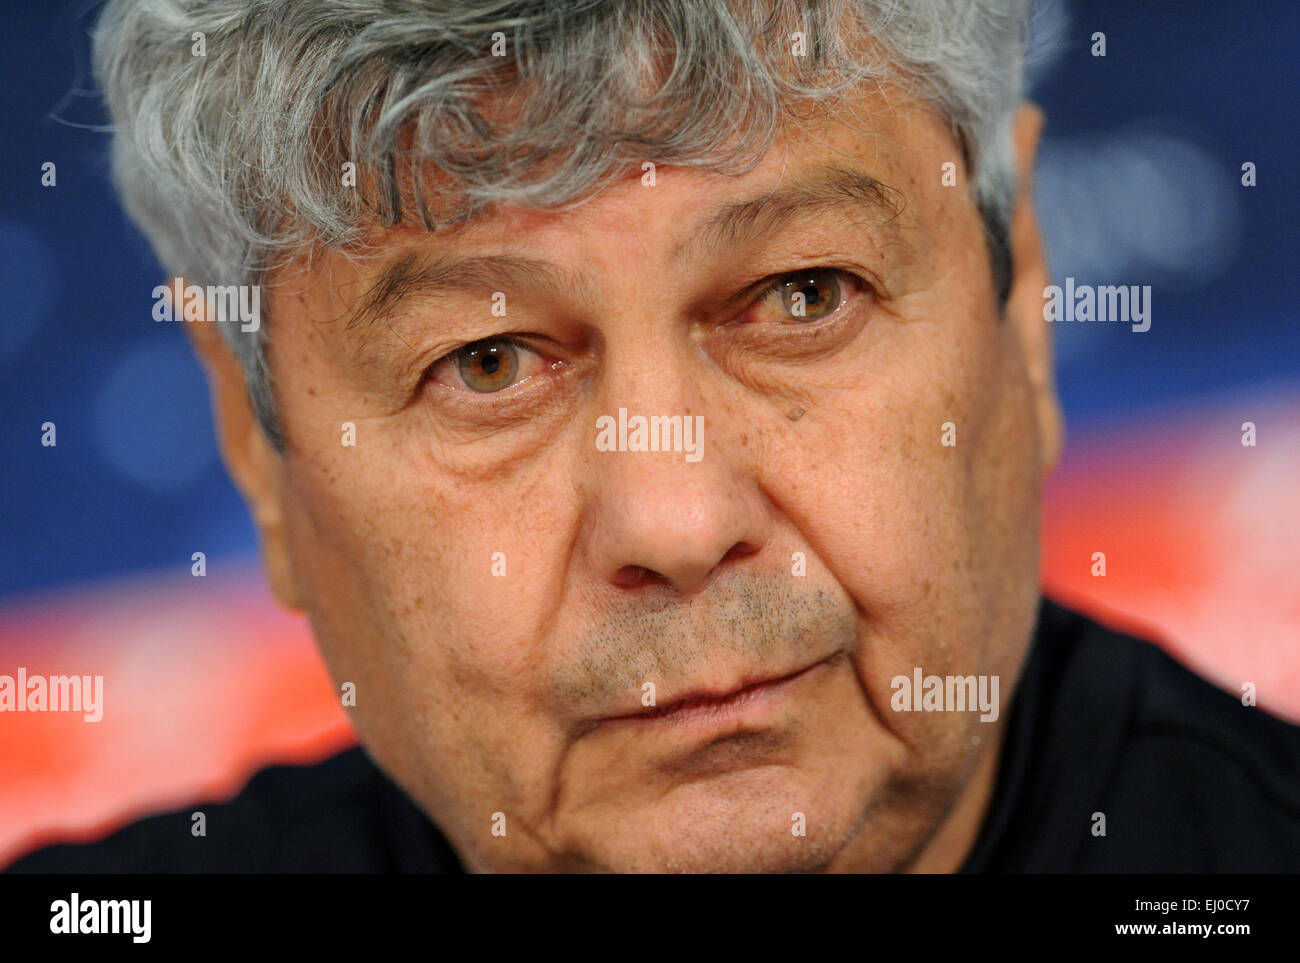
x: 737, y: 822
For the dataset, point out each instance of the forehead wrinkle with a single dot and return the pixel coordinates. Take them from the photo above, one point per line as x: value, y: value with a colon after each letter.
x: 826, y: 189
x: 418, y: 274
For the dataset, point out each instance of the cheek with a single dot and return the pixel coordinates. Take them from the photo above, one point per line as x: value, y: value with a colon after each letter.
x: 437, y: 572
x: 1006, y: 496
x: 890, y: 511
x: 435, y: 598
x: 935, y: 542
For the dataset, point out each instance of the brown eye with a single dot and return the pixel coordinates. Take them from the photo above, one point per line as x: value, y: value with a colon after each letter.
x: 487, y: 366
x: 810, y: 295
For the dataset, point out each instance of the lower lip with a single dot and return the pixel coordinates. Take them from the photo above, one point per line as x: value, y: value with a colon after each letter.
x: 749, y: 704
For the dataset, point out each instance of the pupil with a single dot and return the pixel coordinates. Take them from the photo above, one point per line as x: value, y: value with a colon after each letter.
x: 491, y: 363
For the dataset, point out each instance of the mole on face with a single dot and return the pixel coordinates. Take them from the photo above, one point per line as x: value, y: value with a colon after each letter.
x: 794, y: 414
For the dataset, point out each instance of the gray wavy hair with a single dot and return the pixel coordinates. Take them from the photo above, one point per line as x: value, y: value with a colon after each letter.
x: 230, y: 162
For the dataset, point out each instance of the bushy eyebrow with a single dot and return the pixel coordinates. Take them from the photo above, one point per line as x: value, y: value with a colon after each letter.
x: 824, y: 189
x: 418, y: 273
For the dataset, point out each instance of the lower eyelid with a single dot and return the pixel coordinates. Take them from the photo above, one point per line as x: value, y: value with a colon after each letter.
x: 523, y: 401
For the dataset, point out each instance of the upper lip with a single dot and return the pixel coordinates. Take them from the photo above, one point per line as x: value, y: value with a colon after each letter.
x: 703, y: 695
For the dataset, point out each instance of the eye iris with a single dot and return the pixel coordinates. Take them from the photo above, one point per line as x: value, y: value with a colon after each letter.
x: 820, y: 292
x: 488, y: 365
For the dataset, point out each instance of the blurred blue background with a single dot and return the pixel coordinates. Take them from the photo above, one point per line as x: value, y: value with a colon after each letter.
x: 1139, y: 183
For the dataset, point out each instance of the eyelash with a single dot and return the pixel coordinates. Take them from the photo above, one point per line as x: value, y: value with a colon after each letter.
x: 765, y: 289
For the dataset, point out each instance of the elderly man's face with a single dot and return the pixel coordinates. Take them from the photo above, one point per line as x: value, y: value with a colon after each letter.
x: 508, y: 593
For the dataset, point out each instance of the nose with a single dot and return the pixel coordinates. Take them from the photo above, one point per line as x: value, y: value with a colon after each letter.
x: 659, y: 518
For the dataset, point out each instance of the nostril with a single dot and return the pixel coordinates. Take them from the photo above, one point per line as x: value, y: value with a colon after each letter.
x: 634, y: 576
x: 740, y: 550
